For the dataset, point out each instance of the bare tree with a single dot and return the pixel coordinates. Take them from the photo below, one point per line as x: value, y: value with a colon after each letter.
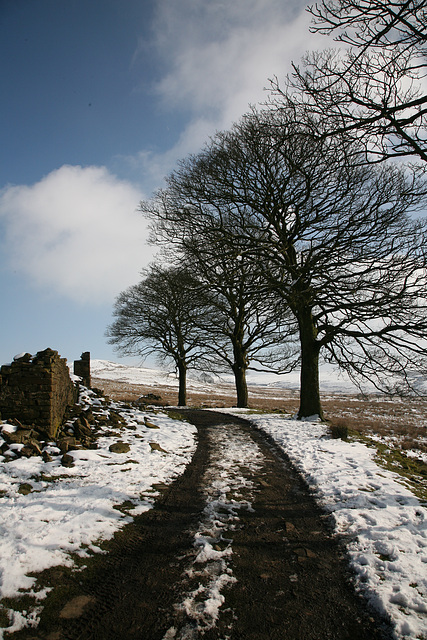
x: 376, y: 89
x: 374, y: 23
x: 247, y: 326
x: 331, y: 236
x: 162, y: 315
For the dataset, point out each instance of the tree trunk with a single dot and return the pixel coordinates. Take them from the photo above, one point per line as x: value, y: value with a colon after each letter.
x: 241, y: 385
x: 182, y: 390
x: 240, y: 366
x: 310, y: 404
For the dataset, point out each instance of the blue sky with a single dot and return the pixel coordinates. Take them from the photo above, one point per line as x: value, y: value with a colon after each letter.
x: 99, y: 99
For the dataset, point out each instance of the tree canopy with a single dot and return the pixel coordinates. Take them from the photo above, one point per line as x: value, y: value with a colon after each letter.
x: 248, y: 324
x: 164, y: 315
x: 375, y: 88
x: 331, y: 236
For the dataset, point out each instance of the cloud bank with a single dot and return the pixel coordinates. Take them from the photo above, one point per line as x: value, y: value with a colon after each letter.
x: 76, y: 232
x: 218, y: 58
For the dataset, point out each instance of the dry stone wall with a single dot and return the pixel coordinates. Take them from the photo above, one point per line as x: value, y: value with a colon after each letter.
x: 82, y: 368
x: 36, y: 390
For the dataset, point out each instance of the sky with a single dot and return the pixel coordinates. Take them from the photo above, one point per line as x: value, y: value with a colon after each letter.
x: 99, y: 100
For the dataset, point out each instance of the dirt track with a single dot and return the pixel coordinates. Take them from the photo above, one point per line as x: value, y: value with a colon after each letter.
x: 289, y: 578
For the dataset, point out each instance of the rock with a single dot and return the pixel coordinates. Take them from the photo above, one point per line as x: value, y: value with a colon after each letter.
x: 25, y: 488
x: 291, y: 528
x: 119, y: 447
x: 82, y: 427
x: 156, y: 447
x: 17, y: 437
x: 67, y: 443
x: 23, y: 357
x: 67, y: 460
x: 89, y: 417
x: 115, y: 418
x: 149, y: 424
x: 35, y: 446
x: 46, y: 457
x: 27, y: 451
x: 75, y: 607
x: 150, y: 396
x: 101, y: 418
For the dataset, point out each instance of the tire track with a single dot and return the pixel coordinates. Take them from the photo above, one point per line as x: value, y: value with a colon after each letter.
x: 235, y: 549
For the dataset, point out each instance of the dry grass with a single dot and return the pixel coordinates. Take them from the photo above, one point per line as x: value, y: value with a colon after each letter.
x: 402, y: 421
x: 221, y: 395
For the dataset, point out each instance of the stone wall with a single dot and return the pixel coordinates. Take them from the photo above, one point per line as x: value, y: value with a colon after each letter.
x: 36, y: 390
x: 82, y: 368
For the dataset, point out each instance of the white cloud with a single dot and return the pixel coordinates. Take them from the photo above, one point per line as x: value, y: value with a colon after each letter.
x: 218, y: 58
x: 77, y: 231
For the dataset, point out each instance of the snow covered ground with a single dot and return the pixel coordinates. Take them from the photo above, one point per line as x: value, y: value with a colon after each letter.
x: 384, y: 524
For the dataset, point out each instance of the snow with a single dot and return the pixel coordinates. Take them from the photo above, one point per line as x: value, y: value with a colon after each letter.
x: 226, y: 494
x: 382, y: 523
x: 330, y: 380
x: 71, y: 510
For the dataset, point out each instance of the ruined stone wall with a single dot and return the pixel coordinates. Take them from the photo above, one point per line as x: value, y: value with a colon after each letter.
x: 37, y: 390
x: 82, y: 368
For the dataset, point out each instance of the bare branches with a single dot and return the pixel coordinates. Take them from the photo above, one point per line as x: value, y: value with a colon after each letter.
x: 163, y: 314
x: 374, y: 91
x: 248, y: 324
x: 311, y: 222
x: 373, y: 23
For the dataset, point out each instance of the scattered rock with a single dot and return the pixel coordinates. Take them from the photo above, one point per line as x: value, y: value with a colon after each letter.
x: 67, y: 460
x: 149, y: 424
x: 76, y: 606
x: 18, y: 437
x: 35, y: 446
x: 303, y: 554
x: 82, y: 427
x: 150, y: 396
x: 67, y: 444
x: 90, y: 417
x: 156, y: 447
x: 26, y: 452
x: 290, y: 528
x: 115, y: 418
x: 119, y: 447
x: 25, y: 488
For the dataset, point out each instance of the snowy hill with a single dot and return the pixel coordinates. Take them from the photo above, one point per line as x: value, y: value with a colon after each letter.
x: 107, y: 370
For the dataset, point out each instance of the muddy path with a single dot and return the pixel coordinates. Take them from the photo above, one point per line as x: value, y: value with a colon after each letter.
x: 235, y: 548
